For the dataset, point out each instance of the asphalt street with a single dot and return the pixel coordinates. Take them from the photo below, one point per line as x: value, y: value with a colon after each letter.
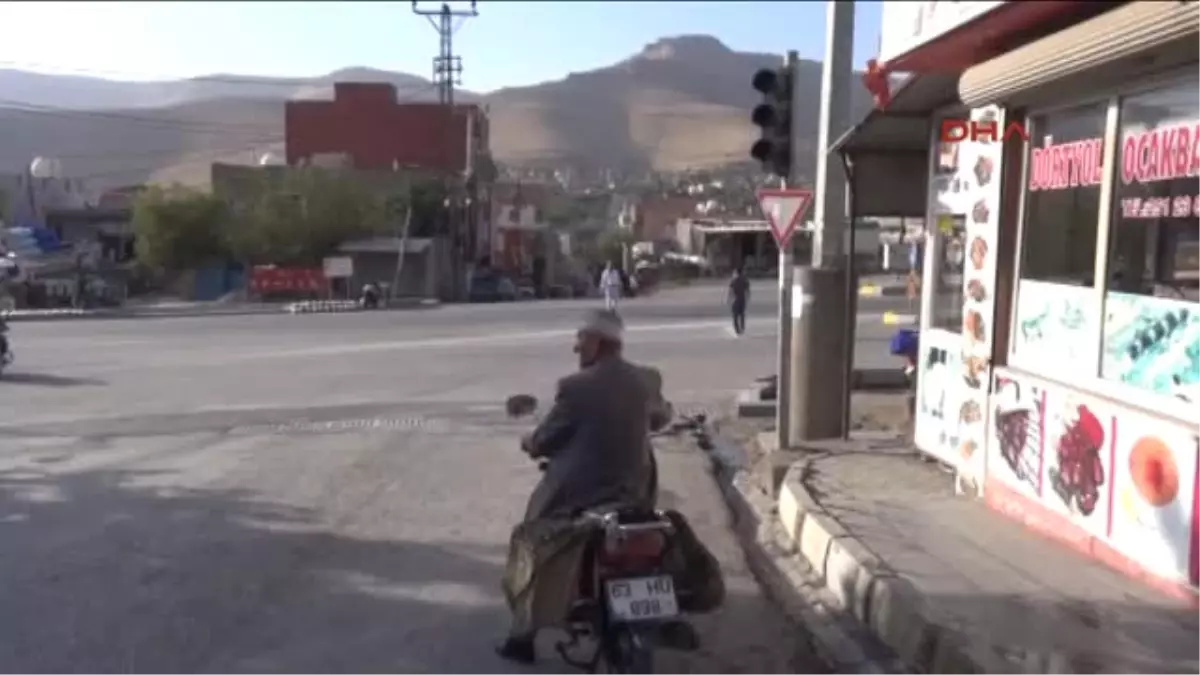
x: 325, y: 492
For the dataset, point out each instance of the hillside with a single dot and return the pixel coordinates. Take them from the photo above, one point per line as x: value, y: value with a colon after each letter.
x: 681, y: 102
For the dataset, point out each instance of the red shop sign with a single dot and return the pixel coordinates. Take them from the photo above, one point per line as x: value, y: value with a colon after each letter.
x: 269, y: 279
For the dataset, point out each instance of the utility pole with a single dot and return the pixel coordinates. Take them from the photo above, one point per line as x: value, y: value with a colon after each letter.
x: 447, y: 68
x: 447, y: 72
x: 819, y: 353
x: 403, y: 227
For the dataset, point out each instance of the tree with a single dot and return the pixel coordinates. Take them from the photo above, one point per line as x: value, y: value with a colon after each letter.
x: 178, y: 229
x: 611, y: 244
x: 304, y: 217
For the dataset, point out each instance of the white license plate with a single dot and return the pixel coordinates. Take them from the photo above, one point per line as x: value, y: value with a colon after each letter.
x: 642, y: 598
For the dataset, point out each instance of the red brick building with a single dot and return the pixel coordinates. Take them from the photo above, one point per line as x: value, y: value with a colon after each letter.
x: 365, y: 123
x: 365, y: 128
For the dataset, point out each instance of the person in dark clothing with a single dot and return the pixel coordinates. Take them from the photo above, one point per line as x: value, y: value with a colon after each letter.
x: 739, y: 295
x: 538, y: 276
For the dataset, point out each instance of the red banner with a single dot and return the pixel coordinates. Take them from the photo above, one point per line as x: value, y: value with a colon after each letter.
x: 269, y: 279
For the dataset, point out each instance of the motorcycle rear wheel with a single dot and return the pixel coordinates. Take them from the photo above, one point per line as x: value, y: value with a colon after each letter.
x: 627, y: 651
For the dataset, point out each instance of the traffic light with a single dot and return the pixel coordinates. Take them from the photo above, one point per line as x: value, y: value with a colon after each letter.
x: 774, y: 116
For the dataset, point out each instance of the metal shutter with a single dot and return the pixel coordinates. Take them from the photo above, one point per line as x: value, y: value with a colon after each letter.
x: 1133, y: 40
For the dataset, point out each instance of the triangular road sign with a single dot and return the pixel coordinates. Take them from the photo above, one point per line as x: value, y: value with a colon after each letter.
x: 783, y: 209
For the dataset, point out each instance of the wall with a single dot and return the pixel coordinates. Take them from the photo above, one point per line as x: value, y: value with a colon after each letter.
x: 19, y: 190
x: 657, y: 216
x: 1111, y: 481
x: 365, y: 122
x: 519, y: 217
x: 909, y: 25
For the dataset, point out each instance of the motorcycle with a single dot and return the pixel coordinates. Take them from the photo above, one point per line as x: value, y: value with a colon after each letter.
x: 369, y: 298
x: 627, y: 604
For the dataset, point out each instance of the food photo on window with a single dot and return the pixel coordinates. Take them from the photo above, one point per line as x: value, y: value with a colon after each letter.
x: 1152, y: 317
x: 1055, y: 314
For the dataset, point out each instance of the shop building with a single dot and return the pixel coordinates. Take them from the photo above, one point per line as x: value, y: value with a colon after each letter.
x: 1060, y: 351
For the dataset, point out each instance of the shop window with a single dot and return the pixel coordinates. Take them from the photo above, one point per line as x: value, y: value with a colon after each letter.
x: 1152, y: 322
x: 1062, y: 203
x: 1055, y: 316
x: 950, y: 202
x: 948, y: 276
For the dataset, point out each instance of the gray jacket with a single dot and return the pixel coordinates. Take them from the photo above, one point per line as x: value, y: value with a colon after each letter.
x: 596, y: 438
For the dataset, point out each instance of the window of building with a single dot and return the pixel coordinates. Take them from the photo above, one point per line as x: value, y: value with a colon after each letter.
x: 948, y: 275
x: 1062, y: 205
x: 1056, y: 316
x: 1152, y: 319
x: 949, y: 203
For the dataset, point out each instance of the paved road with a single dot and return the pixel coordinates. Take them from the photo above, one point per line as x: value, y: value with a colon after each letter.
x: 329, y: 492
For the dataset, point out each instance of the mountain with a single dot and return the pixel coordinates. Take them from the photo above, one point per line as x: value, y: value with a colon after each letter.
x: 681, y: 102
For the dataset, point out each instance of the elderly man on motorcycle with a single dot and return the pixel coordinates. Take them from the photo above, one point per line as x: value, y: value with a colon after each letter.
x: 596, y: 450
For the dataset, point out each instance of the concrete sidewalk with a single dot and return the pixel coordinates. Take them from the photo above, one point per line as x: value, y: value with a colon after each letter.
x: 945, y: 583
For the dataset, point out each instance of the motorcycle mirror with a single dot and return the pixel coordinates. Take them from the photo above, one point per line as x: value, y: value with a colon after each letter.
x: 520, y: 405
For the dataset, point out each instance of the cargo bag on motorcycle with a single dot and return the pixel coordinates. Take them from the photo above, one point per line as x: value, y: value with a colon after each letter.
x: 541, y: 578
x: 696, y: 571
x: 545, y: 560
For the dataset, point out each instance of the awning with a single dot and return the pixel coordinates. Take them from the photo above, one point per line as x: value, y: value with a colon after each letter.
x: 904, y: 125
x: 889, y: 150
x: 1121, y: 45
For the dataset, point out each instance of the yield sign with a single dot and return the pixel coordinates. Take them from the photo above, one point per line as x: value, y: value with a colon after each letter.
x: 783, y: 209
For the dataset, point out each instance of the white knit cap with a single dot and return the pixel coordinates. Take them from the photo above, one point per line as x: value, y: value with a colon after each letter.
x: 604, y: 323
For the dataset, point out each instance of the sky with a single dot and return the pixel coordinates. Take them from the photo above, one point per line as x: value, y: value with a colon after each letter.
x: 508, y: 44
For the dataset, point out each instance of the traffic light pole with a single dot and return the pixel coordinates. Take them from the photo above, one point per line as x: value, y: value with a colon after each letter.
x: 783, y: 382
x: 816, y: 398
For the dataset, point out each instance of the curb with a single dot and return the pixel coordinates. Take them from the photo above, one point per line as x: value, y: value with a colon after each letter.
x: 151, y: 313
x: 874, y: 291
x: 894, y: 319
x: 886, y: 605
x: 834, y: 635
x: 334, y: 306
x: 322, y: 306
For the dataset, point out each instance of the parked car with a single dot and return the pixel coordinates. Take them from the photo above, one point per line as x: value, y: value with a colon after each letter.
x: 492, y: 287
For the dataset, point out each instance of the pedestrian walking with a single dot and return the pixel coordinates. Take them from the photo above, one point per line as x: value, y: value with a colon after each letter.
x: 611, y: 286
x: 916, y: 259
x: 738, y: 296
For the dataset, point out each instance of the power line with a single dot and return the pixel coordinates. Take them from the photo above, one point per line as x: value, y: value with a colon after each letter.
x: 187, y: 159
x: 183, y: 126
x: 128, y: 77
x: 22, y: 107
x: 162, y: 152
x: 204, y: 155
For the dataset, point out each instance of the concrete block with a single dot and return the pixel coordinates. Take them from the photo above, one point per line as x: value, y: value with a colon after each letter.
x: 816, y: 535
x: 791, y: 517
x: 897, y: 616
x: 848, y: 580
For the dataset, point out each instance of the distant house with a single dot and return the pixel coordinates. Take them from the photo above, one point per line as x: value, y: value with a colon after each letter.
x: 656, y: 216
